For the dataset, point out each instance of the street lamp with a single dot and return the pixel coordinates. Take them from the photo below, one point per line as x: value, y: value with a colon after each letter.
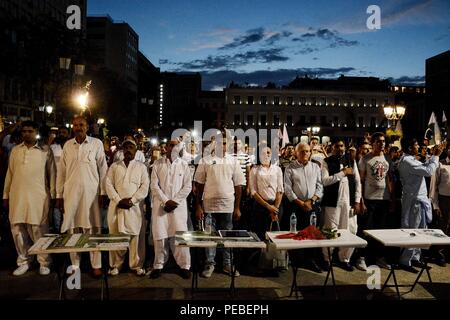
x: 101, y: 121
x: 312, y: 131
x: 394, y: 113
x: 49, y: 110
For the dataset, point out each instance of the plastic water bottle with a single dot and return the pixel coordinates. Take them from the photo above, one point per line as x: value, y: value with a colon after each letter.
x: 313, y: 219
x: 208, y: 227
x: 293, y: 223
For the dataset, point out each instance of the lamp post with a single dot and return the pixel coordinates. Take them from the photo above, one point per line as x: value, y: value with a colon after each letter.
x: 394, y: 113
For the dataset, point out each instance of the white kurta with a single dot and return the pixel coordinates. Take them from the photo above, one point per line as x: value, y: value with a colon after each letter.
x: 169, y: 181
x: 127, y: 182
x: 29, y: 184
x: 80, y: 181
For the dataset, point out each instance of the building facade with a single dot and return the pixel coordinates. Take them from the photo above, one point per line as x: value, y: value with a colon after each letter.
x: 34, y: 39
x: 345, y: 107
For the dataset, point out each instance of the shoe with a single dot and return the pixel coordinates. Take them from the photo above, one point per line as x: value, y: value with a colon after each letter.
x: 227, y: 270
x: 44, y: 271
x: 381, y: 262
x: 361, y: 264
x: 21, y: 270
x: 312, y: 265
x: 209, y: 269
x: 114, y: 271
x: 346, y: 266
x: 408, y: 268
x: 97, y: 272
x: 419, y: 264
x: 140, y: 272
x: 185, y: 273
x: 155, y: 274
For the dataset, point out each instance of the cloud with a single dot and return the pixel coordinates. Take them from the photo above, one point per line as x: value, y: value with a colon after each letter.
x: 220, y: 79
x: 251, y: 36
x: 326, y: 35
x: 307, y: 50
x: 408, y: 81
x: 232, y: 61
x: 278, y: 36
x: 164, y: 61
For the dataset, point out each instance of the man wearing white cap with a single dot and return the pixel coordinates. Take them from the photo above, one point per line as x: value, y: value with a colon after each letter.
x: 127, y: 184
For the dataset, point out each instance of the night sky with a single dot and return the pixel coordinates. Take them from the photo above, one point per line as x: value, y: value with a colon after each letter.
x: 254, y: 42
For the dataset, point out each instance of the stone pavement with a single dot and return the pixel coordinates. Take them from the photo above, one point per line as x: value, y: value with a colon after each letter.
x: 170, y: 286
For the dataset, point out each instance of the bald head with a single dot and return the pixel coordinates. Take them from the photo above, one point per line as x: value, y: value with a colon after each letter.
x: 303, y: 152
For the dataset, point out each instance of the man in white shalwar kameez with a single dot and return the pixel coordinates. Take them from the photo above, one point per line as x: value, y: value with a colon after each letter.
x: 170, y: 185
x: 127, y: 184
x: 342, y: 197
x: 80, y: 187
x: 29, y: 186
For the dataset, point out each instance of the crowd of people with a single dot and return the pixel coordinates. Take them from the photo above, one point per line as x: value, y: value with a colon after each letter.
x: 71, y: 182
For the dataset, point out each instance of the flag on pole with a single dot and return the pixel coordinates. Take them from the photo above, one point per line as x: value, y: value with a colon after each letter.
x: 285, y: 140
x: 445, y: 128
x: 433, y: 133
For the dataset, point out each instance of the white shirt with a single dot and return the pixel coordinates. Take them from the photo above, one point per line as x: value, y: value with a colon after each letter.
x: 139, y: 156
x: 80, y: 179
x: 344, y: 191
x: 303, y: 181
x: 127, y: 182
x: 169, y: 181
x: 266, y: 181
x: 219, y: 175
x: 440, y: 182
x: 29, y: 184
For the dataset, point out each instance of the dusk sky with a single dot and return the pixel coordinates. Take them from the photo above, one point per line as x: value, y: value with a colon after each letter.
x: 254, y: 42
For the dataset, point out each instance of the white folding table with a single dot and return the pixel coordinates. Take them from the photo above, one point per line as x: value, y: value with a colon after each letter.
x: 345, y: 240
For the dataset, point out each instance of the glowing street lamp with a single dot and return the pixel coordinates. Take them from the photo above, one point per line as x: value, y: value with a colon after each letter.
x: 394, y: 113
x: 101, y: 121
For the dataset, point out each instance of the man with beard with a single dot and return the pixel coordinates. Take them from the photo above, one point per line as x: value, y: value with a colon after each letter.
x: 29, y: 185
x: 80, y: 187
x: 342, y: 197
x: 127, y: 186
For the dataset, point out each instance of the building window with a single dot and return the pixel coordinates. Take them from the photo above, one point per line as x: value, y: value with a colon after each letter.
x: 373, y: 122
x: 250, y: 100
x: 361, y: 102
x: 336, y: 102
x: 313, y: 101
x: 237, y: 100
x: 323, y: 120
x: 276, y: 119
x: 322, y: 101
x: 237, y: 119
x: 276, y: 100
x: 360, y: 122
x: 302, y: 101
x: 289, y: 120
x: 263, y: 119
x: 290, y: 101
x: 263, y: 100
x: 250, y: 120
x: 302, y: 120
x: 335, y: 121
x: 312, y: 120
x: 373, y: 102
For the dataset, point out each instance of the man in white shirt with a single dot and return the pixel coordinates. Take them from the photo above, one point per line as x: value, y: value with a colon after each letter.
x: 119, y: 155
x: 80, y: 187
x: 440, y: 198
x: 29, y: 186
x: 127, y: 184
x: 171, y: 183
x: 342, y: 197
x: 219, y: 179
x: 303, y: 187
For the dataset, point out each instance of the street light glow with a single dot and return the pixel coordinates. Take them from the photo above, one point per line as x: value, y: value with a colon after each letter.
x: 83, y: 100
x: 49, y: 109
x: 101, y: 121
x: 154, y: 141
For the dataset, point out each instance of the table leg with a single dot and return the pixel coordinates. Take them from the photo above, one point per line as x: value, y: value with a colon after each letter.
x: 105, y: 264
x: 61, y: 271
x: 426, y: 268
x: 294, y: 286
x: 195, y: 271
x: 233, y: 272
x: 330, y: 270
